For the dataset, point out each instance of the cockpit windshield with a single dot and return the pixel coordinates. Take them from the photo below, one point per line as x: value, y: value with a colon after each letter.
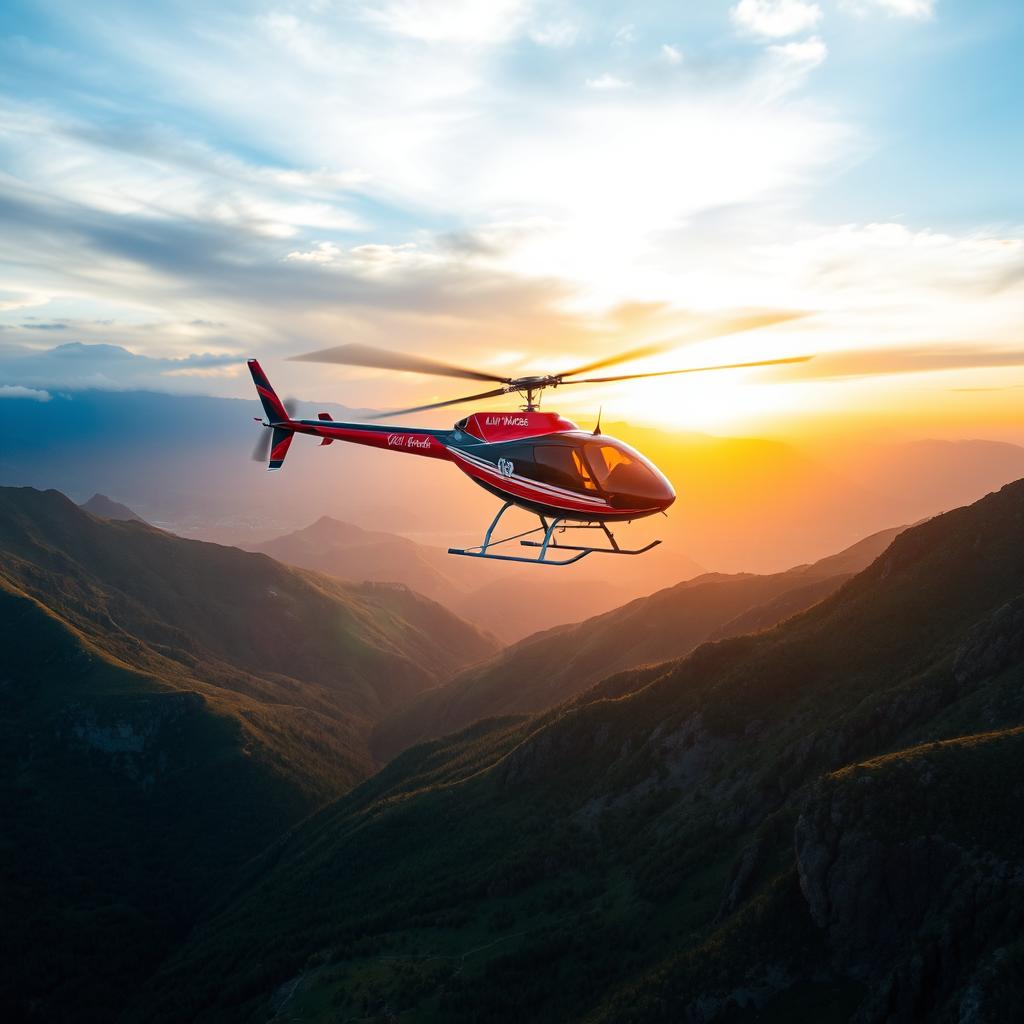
x: 619, y: 469
x: 601, y: 466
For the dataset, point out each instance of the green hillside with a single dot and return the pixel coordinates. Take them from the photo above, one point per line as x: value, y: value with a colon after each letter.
x: 167, y: 709
x: 552, y: 666
x: 808, y: 823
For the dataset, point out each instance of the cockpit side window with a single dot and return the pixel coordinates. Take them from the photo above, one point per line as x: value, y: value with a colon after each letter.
x: 562, y: 466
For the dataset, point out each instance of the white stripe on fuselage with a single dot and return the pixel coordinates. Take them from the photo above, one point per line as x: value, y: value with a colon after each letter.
x: 558, y: 492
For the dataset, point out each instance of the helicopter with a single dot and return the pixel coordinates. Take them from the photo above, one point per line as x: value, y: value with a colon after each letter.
x: 569, y: 478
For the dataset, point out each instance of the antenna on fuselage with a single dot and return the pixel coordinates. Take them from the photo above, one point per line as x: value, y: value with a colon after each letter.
x: 597, y: 429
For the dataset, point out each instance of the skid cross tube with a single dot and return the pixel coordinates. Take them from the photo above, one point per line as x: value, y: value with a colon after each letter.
x: 547, y: 545
x: 481, y: 550
x: 613, y: 550
x: 592, y: 551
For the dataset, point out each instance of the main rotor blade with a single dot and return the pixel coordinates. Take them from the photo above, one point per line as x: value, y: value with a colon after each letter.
x: 731, y: 325
x: 689, y: 369
x: 382, y: 359
x: 438, y: 405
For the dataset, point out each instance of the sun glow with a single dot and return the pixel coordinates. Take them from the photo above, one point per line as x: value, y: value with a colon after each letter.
x: 715, y: 403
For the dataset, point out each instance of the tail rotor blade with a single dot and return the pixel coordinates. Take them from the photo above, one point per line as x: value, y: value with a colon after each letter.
x: 261, y: 453
x: 290, y: 405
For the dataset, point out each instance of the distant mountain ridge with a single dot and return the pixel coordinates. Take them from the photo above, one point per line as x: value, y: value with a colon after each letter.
x: 818, y: 822
x: 351, y: 552
x: 106, y: 508
x: 500, y: 599
x: 552, y: 666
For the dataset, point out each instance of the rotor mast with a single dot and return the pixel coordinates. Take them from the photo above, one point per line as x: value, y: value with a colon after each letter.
x: 531, y: 388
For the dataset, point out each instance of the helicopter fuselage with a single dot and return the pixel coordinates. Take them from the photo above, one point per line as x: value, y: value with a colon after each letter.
x: 539, y: 461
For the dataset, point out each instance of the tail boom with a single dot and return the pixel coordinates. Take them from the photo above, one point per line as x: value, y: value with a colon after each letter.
x: 411, y: 440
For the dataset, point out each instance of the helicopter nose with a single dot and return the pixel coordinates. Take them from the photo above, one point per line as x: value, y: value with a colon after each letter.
x: 659, y: 488
x: 667, y: 495
x: 653, y: 492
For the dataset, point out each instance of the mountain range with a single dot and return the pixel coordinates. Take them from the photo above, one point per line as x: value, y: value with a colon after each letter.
x: 816, y: 822
x: 813, y: 815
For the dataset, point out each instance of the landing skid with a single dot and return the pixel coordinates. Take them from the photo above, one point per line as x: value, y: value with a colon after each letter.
x: 548, y: 544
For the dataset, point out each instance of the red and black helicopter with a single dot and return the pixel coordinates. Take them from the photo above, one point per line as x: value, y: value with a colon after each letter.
x: 539, y: 461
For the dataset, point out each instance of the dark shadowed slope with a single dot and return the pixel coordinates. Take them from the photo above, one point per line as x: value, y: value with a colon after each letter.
x: 813, y: 822
x: 106, y: 508
x: 550, y: 667
x: 167, y: 708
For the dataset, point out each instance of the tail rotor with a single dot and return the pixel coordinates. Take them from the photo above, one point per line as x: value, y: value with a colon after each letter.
x: 264, y: 443
x: 273, y: 446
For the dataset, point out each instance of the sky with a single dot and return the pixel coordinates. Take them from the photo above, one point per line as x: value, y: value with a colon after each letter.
x: 517, y: 184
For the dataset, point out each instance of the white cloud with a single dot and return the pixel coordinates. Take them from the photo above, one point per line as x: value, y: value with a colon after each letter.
x: 158, y: 173
x: 607, y: 82
x: 921, y: 10
x: 322, y: 252
x: 205, y: 372
x: 17, y: 391
x: 372, y: 258
x: 454, y: 21
x: 671, y: 53
x: 775, y: 19
x: 555, y: 34
x: 888, y: 282
x: 803, y: 55
x: 10, y: 300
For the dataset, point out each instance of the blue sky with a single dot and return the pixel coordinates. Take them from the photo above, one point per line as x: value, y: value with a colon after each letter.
x: 512, y: 183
